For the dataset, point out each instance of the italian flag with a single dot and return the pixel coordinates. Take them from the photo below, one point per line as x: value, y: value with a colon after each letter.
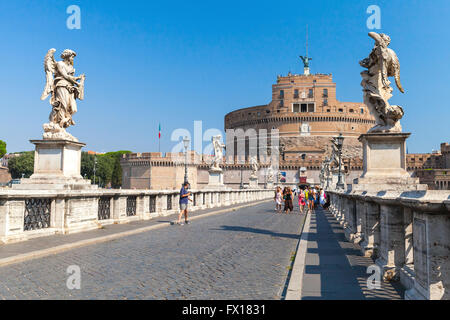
x: 159, y: 131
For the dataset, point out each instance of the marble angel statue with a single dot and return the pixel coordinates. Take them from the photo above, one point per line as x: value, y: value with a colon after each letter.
x: 254, y: 165
x: 270, y: 175
x: 64, y: 88
x: 218, y: 153
x: 381, y: 64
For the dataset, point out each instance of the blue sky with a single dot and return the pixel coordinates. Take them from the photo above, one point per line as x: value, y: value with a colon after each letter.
x: 150, y: 62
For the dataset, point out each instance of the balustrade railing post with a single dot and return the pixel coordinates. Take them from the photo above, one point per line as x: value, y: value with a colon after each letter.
x: 431, y: 256
x: 3, y: 219
x: 341, y: 209
x: 57, y: 219
x: 392, y: 241
x: 371, y: 229
x: 360, y: 215
x: 350, y: 226
x: 140, y: 207
x: 119, y: 208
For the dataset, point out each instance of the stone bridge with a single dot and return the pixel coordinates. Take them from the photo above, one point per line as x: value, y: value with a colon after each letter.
x: 407, y: 234
x: 237, y: 246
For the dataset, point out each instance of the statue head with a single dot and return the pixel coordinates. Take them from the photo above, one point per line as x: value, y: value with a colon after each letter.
x: 68, y: 55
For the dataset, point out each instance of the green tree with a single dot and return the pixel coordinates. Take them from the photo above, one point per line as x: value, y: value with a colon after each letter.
x: 105, y: 167
x: 2, y: 148
x: 23, y: 164
x: 87, y: 165
x: 116, y: 179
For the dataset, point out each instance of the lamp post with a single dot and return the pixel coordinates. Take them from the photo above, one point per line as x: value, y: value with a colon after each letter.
x: 327, y: 171
x: 282, y: 148
x: 340, y: 141
x: 186, y: 146
x: 241, y: 186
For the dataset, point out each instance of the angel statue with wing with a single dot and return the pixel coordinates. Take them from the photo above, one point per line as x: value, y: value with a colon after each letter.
x: 63, y: 87
x: 381, y: 64
x: 218, y: 154
x: 254, y: 165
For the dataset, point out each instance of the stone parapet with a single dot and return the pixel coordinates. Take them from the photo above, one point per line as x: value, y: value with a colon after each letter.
x: 27, y: 214
x: 407, y: 233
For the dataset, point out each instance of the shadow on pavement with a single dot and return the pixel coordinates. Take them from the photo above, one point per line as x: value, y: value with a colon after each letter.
x: 258, y: 231
x: 335, y: 268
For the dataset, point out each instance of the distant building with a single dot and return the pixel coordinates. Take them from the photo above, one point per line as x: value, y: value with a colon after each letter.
x: 435, y: 170
x: 307, y: 114
x: 94, y: 152
x: 152, y: 170
x: 6, y: 157
x: 5, y: 177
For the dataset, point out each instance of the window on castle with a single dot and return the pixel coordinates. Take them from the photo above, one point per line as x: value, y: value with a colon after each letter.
x: 310, y: 107
x: 282, y: 103
x: 362, y: 111
x: 281, y: 94
x: 304, y: 107
x: 296, y: 94
x: 351, y: 110
x: 325, y: 102
x: 296, y: 107
x: 310, y: 93
x: 341, y: 110
x: 325, y: 93
x: 328, y: 110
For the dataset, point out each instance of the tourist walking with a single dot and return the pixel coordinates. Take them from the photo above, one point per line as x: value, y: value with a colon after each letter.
x: 301, y: 200
x: 278, y: 200
x: 327, y: 202
x: 322, y: 197
x: 184, y: 200
x: 288, y: 205
x: 311, y: 199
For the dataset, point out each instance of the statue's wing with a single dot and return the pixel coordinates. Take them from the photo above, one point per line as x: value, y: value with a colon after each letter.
x: 396, y: 71
x: 375, y: 36
x: 49, y: 68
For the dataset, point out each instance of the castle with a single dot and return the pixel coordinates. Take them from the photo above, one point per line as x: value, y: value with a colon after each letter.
x: 307, y: 114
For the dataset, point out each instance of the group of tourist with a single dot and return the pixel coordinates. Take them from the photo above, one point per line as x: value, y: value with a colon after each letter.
x: 307, y: 197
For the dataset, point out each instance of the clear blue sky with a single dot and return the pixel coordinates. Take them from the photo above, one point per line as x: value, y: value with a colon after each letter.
x: 175, y: 62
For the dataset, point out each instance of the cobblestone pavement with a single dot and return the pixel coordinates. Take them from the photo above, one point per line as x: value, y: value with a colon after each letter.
x: 243, y: 254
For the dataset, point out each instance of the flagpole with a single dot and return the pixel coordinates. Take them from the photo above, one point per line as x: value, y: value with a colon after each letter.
x: 159, y: 137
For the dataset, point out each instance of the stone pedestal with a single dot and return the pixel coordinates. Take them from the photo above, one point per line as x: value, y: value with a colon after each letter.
x: 269, y: 185
x: 253, y: 182
x: 215, y: 179
x: 384, y: 163
x: 57, y: 165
